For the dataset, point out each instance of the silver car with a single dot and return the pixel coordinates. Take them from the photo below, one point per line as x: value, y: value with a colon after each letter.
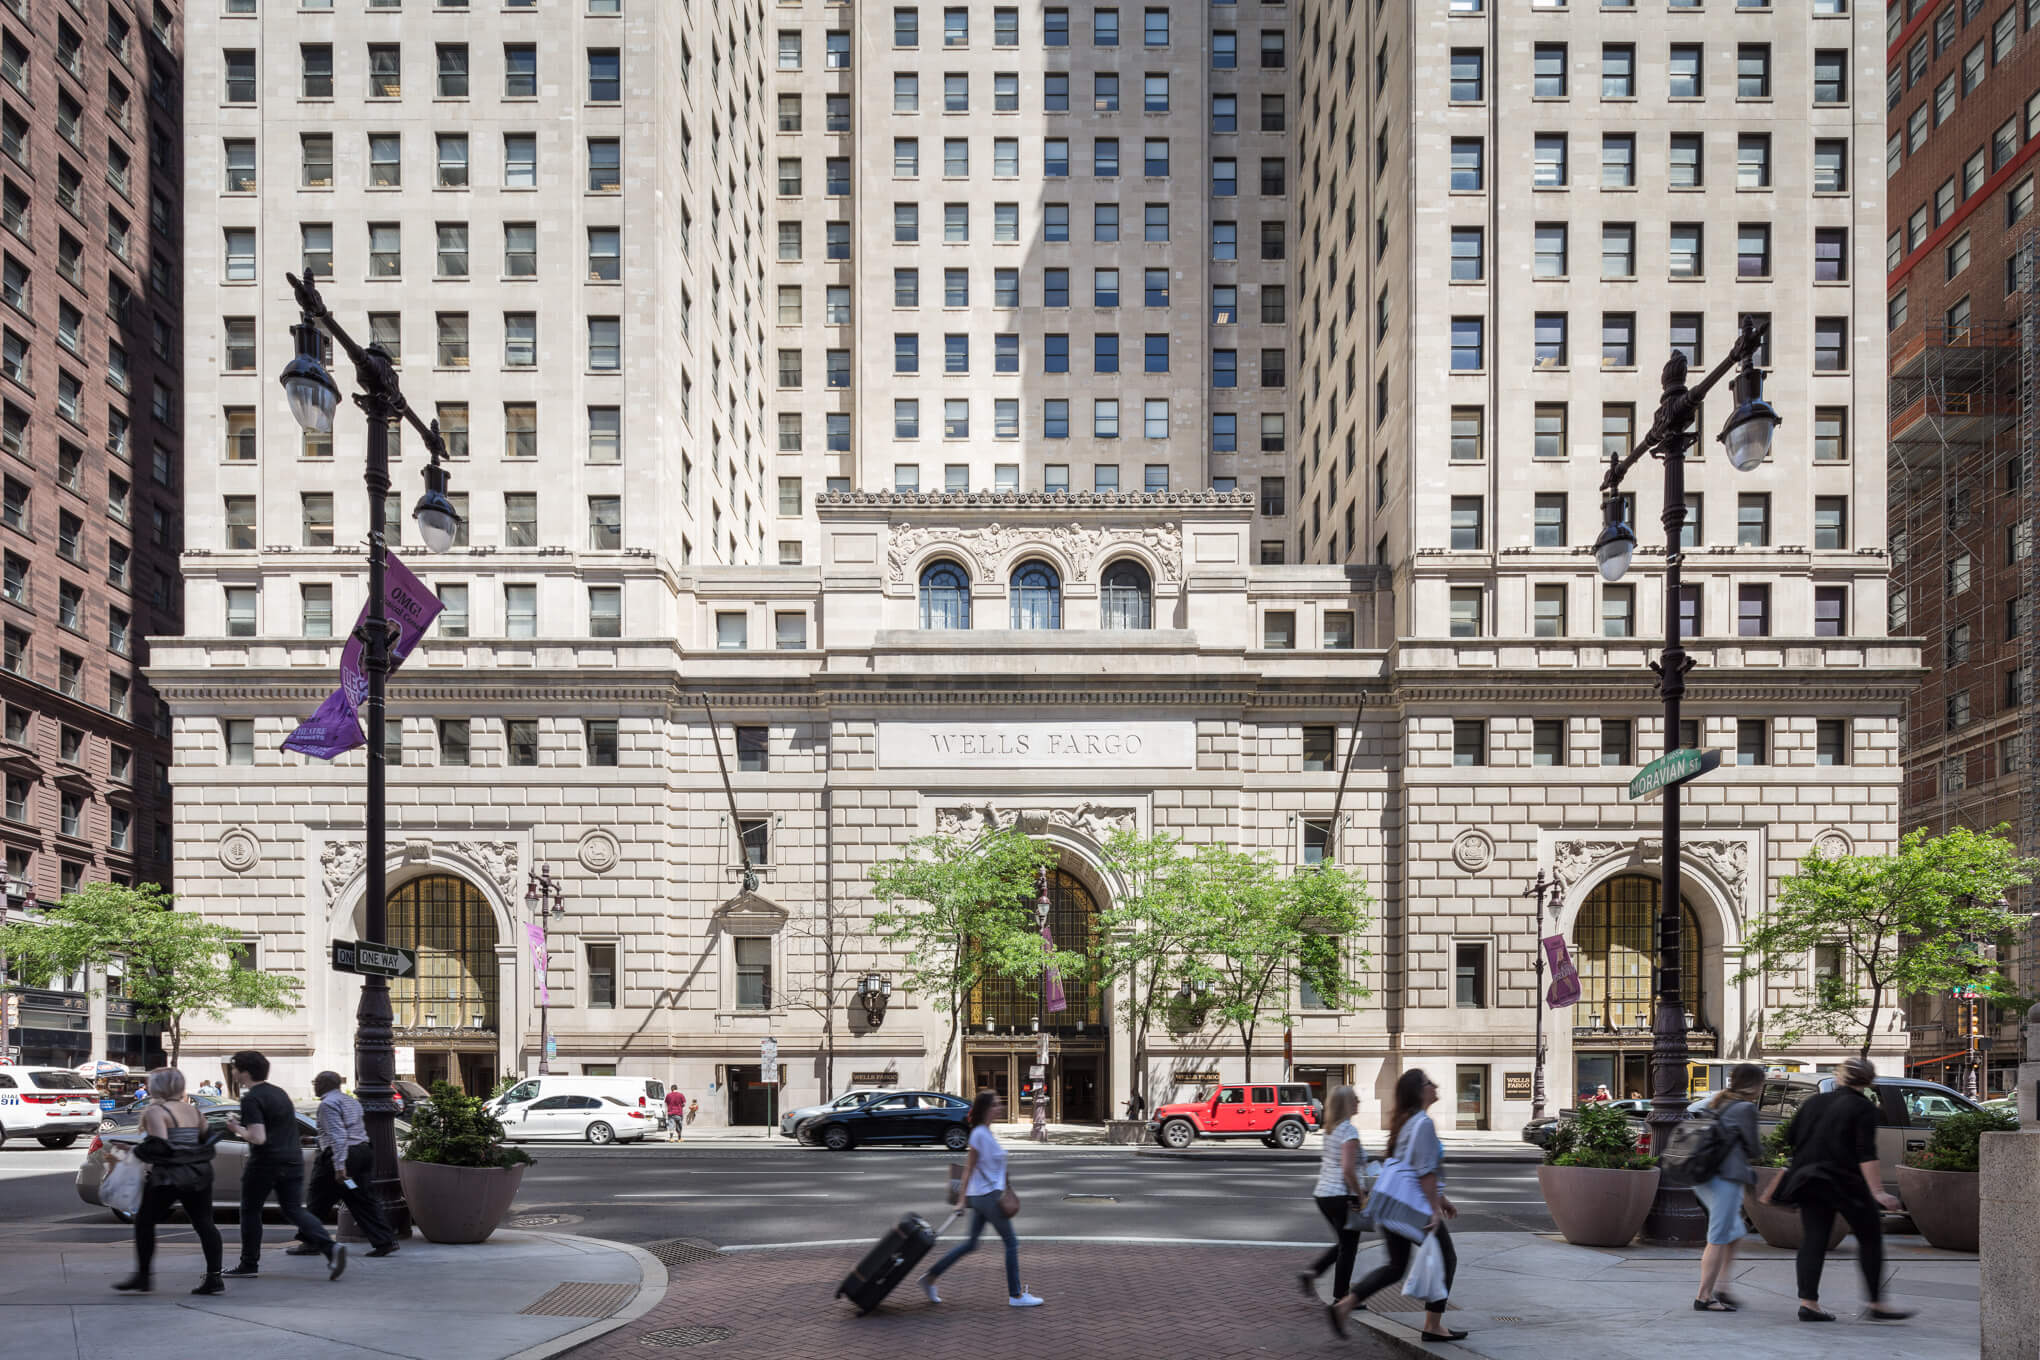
x: 230, y: 1155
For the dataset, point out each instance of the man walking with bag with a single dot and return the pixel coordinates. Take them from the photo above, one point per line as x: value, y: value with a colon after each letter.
x: 268, y: 1124
x: 344, y: 1169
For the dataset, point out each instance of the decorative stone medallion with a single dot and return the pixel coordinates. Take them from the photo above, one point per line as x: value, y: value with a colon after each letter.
x: 238, y: 850
x: 599, y: 852
x: 1473, y: 851
x: 1834, y: 843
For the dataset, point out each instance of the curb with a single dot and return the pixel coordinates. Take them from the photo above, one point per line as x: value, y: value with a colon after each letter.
x: 652, y: 1281
x: 1407, y: 1340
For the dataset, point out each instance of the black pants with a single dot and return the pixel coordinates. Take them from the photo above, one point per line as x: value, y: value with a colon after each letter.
x: 1341, y: 1253
x: 328, y: 1188
x: 157, y: 1201
x: 286, y: 1180
x: 1817, y: 1220
x: 1399, y: 1249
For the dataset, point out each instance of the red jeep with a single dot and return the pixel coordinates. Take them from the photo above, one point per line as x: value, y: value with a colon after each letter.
x: 1278, y: 1115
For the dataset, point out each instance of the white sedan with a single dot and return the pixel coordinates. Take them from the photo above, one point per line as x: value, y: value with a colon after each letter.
x: 595, y: 1119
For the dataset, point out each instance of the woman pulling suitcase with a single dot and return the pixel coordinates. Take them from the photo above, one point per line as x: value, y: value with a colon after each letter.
x: 985, y: 1190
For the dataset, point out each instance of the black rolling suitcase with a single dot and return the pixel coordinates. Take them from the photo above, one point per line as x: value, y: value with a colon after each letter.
x: 891, y: 1261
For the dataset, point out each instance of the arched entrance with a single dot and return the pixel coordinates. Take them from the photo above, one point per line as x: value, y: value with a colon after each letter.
x: 1615, y: 948
x: 1005, y: 1023
x: 447, y: 1013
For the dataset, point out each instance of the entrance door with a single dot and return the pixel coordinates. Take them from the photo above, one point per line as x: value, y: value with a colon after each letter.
x: 993, y: 1072
x: 1471, y: 1104
x: 749, y: 1097
x: 1594, y: 1070
x: 476, y: 1073
x: 433, y: 1067
x: 1078, y: 1093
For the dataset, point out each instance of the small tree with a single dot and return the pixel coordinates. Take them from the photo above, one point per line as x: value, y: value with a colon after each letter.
x: 175, y: 963
x: 1258, y: 924
x: 962, y: 907
x: 1148, y: 934
x: 1905, y: 923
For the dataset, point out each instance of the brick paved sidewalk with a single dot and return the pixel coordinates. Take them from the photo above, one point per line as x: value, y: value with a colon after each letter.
x: 1216, y: 1303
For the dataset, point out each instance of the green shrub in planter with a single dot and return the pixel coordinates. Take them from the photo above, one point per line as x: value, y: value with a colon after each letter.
x: 1776, y: 1147
x: 1596, y: 1136
x: 1953, y: 1146
x: 457, y: 1129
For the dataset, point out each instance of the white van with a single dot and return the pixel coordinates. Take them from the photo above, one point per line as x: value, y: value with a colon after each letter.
x: 637, y: 1105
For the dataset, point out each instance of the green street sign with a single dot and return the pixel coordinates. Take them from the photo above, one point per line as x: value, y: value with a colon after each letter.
x: 1675, y: 768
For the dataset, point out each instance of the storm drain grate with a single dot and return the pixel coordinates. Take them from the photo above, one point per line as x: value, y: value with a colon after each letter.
x: 1403, y: 1303
x: 581, y: 1299
x: 542, y: 1220
x: 1092, y: 1199
x: 684, y: 1251
x: 672, y: 1338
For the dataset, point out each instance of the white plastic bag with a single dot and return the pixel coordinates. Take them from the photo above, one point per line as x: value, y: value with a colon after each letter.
x: 1426, y: 1278
x: 121, y: 1188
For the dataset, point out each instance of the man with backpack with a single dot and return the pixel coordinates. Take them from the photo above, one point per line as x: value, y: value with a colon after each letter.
x: 1713, y: 1153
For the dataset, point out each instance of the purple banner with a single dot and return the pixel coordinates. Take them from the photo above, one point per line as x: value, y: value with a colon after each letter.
x: 535, y: 933
x: 335, y: 727
x: 1565, y: 978
x: 1056, y: 1000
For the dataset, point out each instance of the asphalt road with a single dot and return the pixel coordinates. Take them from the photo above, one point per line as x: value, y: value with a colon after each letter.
x: 784, y: 1195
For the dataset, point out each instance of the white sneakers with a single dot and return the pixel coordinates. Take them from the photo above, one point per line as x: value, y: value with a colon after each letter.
x: 928, y: 1288
x: 1025, y: 1301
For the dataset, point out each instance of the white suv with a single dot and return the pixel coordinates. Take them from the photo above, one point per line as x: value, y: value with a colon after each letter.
x: 48, y: 1104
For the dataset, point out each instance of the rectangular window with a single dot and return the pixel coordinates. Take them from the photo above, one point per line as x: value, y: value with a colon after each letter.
x: 1470, y: 975
x: 1753, y: 611
x: 1547, y: 613
x: 1469, y: 741
x: 1615, y: 741
x: 1830, y: 611
x: 1547, y: 741
x: 600, y: 736
x: 753, y: 969
x: 1466, y: 617
x: 1468, y: 533
x: 1752, y: 741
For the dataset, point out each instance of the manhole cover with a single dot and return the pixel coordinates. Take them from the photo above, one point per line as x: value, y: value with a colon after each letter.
x: 1092, y: 1199
x: 683, y: 1251
x: 675, y: 1337
x: 542, y: 1220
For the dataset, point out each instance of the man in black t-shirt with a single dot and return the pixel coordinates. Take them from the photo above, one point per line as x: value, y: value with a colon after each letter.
x: 276, y: 1165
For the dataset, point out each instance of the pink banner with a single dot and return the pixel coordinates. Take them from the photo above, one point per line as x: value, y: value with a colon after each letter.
x: 535, y: 933
x: 1056, y: 1000
x: 1565, y: 978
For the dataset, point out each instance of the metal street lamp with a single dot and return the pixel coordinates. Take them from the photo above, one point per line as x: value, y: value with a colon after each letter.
x: 545, y: 899
x: 1747, y: 436
x: 313, y: 396
x: 874, y: 991
x: 1539, y: 890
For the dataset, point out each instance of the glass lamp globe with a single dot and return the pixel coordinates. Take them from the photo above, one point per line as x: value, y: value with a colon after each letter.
x: 437, y: 520
x: 1613, y: 550
x: 1749, y: 432
x: 312, y: 394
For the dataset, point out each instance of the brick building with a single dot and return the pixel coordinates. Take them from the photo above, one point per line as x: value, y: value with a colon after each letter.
x: 1963, y: 91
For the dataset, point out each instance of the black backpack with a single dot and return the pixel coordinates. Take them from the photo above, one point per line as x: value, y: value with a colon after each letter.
x: 1695, y: 1150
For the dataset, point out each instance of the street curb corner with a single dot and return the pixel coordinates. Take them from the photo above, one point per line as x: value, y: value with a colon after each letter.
x: 652, y: 1283
x: 1407, y: 1340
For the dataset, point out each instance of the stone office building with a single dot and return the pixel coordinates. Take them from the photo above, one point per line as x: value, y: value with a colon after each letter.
x: 1072, y: 664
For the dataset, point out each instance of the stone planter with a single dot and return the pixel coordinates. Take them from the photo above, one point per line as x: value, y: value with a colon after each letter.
x: 1126, y: 1132
x: 1596, y: 1208
x: 1778, y: 1224
x: 458, y: 1204
x: 1944, y: 1206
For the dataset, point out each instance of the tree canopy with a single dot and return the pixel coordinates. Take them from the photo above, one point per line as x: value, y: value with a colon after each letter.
x: 174, y: 963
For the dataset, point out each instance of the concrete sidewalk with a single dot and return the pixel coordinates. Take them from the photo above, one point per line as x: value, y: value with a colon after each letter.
x: 518, y: 1296
x: 1526, y: 1296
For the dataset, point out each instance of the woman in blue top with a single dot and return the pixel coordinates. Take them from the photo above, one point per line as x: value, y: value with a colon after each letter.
x: 984, y: 1189
x: 1722, y: 1193
x: 1413, y: 1139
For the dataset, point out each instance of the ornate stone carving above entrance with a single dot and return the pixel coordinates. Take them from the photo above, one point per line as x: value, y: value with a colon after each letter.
x: 340, y: 861
x: 990, y: 547
x: 1095, y: 821
x: 1725, y: 859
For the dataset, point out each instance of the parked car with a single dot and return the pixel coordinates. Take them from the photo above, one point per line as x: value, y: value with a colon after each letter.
x: 2002, y: 1105
x: 131, y: 1116
x: 595, y: 1119
x: 892, y: 1117
x: 1538, y: 1131
x: 230, y: 1154
x: 790, y: 1122
x: 639, y: 1093
x: 48, y: 1104
x: 1907, y: 1110
x: 1277, y: 1114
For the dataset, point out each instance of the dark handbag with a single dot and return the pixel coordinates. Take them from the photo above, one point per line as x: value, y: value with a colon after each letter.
x: 181, y: 1176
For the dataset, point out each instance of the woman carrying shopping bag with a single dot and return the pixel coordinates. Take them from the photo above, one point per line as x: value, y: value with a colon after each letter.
x: 177, y: 1149
x: 1408, y: 1203
x: 1339, y: 1193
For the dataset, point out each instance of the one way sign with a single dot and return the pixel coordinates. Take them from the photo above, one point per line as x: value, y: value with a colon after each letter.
x: 381, y: 960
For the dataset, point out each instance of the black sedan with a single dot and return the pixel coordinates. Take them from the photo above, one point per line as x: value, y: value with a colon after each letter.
x: 900, y: 1117
x: 112, y: 1121
x: 1539, y: 1131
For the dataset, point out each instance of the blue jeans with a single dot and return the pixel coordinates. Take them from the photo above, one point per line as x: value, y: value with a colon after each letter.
x: 985, y: 1209
x: 1723, y: 1199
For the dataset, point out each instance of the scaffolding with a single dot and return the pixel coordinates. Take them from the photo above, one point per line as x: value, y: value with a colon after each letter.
x: 1963, y: 461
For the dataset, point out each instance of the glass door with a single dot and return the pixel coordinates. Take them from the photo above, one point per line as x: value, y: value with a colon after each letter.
x: 1471, y: 1097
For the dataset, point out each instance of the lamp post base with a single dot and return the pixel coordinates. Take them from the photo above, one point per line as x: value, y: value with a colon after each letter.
x: 1676, y: 1219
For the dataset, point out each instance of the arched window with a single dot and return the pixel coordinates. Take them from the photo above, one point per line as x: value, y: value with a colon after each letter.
x: 1037, y: 596
x: 1127, y: 595
x: 448, y: 921
x: 945, y: 596
x: 1615, y: 939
